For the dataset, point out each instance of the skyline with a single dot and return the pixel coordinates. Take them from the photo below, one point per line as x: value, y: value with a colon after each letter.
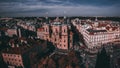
x: 18, y: 8
x: 59, y: 42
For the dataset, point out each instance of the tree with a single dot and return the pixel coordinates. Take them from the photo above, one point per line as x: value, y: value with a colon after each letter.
x: 62, y: 62
x: 51, y: 63
x: 77, y: 66
x: 69, y: 66
x: 73, y: 58
x: 103, y: 60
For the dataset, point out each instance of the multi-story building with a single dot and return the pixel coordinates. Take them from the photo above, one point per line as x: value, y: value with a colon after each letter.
x: 3, y: 31
x: 96, y: 32
x: 58, y: 33
x: 22, y: 54
x: 27, y: 25
x: 40, y: 33
x: 11, y: 32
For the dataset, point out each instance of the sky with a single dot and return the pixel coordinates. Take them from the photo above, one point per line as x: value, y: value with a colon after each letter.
x: 59, y: 8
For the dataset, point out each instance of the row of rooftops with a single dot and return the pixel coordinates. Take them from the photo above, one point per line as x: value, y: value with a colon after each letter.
x: 56, y: 22
x: 42, y: 30
x: 22, y: 47
x: 97, y: 26
x: 92, y: 30
x: 103, y: 30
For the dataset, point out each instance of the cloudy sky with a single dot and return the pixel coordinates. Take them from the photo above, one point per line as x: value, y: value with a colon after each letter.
x: 59, y: 7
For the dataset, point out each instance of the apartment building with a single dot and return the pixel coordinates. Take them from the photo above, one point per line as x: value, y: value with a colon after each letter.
x: 97, y: 32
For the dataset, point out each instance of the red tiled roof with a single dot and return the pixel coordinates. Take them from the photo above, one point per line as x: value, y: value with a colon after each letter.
x: 11, y: 41
x: 91, y: 33
x: 40, y: 29
x: 107, y: 27
x: 23, y: 48
x: 22, y: 38
x: 4, y: 29
x: 71, y: 33
x: 114, y: 28
x: 102, y: 24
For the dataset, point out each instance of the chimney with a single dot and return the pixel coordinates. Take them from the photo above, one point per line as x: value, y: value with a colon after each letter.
x: 25, y: 42
x: 21, y: 41
x: 17, y: 45
x: 13, y: 45
x: 9, y: 43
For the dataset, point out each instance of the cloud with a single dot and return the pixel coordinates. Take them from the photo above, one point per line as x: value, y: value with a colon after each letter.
x: 55, y: 1
x: 57, y: 7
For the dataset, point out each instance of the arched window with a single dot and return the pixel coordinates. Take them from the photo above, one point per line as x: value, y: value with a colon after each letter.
x: 64, y: 30
x: 46, y: 29
x: 55, y: 39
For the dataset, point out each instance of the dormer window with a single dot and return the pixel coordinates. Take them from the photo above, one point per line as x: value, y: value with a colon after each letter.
x: 56, y: 30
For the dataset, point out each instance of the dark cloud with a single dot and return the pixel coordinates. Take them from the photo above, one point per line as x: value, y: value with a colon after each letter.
x: 57, y: 7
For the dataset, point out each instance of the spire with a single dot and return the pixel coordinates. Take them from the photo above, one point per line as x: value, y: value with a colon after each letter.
x: 64, y: 15
x: 65, y: 19
x: 46, y: 17
x: 96, y: 19
x: 57, y: 19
